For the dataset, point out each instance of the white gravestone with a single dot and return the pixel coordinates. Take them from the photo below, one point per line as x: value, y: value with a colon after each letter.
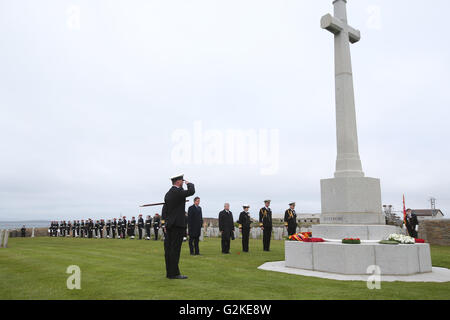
x: 5, y: 238
x: 32, y: 233
x: 1, y: 238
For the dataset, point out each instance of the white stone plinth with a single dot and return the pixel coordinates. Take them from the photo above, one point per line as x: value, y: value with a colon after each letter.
x: 351, y: 200
x: 436, y: 275
x: 355, y: 259
x: 363, y: 232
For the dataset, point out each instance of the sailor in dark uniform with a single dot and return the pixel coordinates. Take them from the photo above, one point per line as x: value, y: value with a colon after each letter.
x: 97, y: 228
x: 78, y: 228
x: 108, y: 229
x: 101, y: 227
x: 119, y: 228
x: 244, y: 226
x: 69, y: 228
x: 74, y: 228
x: 265, y: 222
x: 82, y: 229
x: 132, y: 227
x: 113, y: 228
x: 124, y: 227
x: 140, y: 224
x: 23, y: 231
x: 148, y: 226
x: 62, y: 229
x: 90, y: 228
x: 226, y: 227
x: 173, y: 218
x: 156, y: 225
x: 290, y: 219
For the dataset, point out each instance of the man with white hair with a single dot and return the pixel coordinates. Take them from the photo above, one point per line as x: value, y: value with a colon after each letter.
x: 226, y: 227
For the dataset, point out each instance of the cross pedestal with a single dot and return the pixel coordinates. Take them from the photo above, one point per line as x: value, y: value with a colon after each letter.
x: 349, y: 198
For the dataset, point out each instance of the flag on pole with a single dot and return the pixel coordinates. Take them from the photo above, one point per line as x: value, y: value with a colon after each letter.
x: 404, y: 210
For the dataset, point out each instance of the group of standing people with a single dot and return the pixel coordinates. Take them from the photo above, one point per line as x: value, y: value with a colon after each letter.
x: 226, y: 225
x: 117, y: 228
x: 175, y: 221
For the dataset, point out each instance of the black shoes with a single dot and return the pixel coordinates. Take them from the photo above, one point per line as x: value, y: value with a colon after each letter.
x: 178, y: 277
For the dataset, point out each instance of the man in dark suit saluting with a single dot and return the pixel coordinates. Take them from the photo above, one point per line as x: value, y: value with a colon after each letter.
x: 174, y: 221
x: 195, y: 222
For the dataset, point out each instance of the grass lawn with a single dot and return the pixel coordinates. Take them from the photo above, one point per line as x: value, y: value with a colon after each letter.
x: 35, y: 268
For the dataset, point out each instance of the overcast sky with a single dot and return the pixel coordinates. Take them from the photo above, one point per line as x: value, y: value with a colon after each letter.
x: 102, y: 101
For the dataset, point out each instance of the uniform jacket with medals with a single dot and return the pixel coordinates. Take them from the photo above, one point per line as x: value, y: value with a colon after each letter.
x: 290, y: 218
x: 265, y: 217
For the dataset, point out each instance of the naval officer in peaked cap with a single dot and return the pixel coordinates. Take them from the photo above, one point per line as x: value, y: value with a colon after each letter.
x: 174, y: 221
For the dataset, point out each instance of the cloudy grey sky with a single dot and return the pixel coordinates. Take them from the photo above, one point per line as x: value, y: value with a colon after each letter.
x: 94, y: 95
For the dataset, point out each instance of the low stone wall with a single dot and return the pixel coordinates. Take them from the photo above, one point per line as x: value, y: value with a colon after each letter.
x: 436, y: 231
x: 38, y: 232
x: 278, y: 233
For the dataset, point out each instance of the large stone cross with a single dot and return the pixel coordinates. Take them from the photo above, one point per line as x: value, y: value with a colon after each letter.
x: 348, y: 163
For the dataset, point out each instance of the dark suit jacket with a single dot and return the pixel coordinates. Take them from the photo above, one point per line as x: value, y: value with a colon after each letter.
x: 174, y: 209
x: 226, y: 222
x: 195, y: 221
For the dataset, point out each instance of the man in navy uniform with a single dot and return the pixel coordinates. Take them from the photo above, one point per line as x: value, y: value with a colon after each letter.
x: 96, y: 228
x: 244, y: 226
x: 265, y: 222
x: 114, y: 228
x: 108, y: 228
x: 148, y: 226
x: 124, y: 227
x: 226, y: 227
x: 195, y: 222
x: 62, y: 229
x: 156, y: 224
x: 132, y: 227
x: 140, y: 226
x: 173, y: 219
x: 290, y: 219
x: 82, y: 229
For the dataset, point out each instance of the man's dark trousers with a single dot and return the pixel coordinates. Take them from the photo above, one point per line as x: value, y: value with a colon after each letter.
x: 245, y: 239
x: 226, y: 242
x: 193, y: 245
x: 267, y: 234
x: 172, y: 248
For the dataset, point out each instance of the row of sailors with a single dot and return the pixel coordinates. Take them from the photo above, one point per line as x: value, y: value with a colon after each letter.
x: 116, y: 228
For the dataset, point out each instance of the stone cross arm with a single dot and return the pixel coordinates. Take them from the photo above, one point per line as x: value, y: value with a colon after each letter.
x: 335, y: 26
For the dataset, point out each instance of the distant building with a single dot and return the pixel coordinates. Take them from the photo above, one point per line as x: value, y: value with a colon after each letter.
x: 426, y: 214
